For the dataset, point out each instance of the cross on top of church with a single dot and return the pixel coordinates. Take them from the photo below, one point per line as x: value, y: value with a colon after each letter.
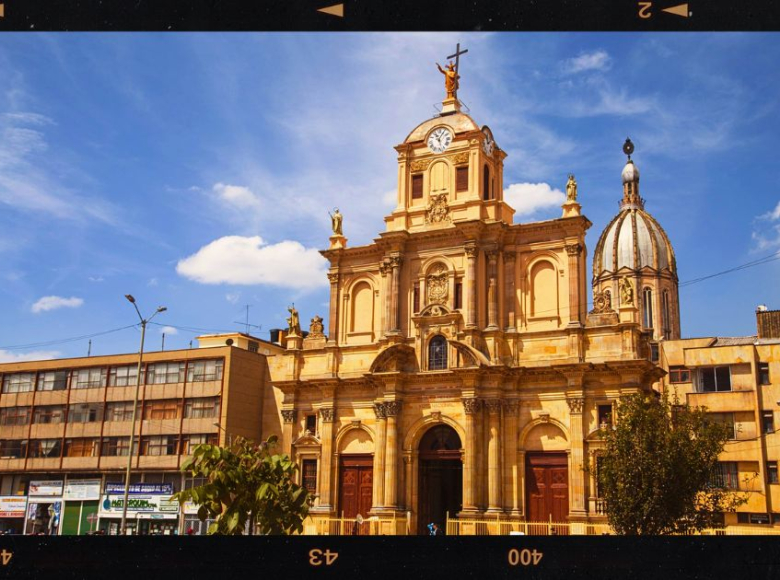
x: 456, y: 56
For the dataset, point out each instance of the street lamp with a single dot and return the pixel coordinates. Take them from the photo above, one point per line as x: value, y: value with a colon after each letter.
x: 228, y: 435
x: 144, y: 321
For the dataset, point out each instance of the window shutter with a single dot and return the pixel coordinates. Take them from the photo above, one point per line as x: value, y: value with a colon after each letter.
x: 417, y: 182
x: 462, y: 178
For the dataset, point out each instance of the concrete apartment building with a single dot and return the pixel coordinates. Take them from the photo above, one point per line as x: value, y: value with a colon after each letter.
x: 738, y: 380
x: 65, y: 427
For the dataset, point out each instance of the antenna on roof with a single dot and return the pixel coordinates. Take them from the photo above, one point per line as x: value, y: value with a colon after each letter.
x: 246, y: 324
x: 89, y: 348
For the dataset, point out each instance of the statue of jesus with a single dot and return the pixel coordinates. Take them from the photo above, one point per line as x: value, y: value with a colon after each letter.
x: 451, y: 77
x: 335, y: 219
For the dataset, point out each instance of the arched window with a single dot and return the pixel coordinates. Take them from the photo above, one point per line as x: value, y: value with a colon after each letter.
x: 647, y: 303
x: 486, y: 183
x: 437, y: 353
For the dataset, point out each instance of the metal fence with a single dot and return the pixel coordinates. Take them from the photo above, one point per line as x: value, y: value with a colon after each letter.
x: 324, y: 525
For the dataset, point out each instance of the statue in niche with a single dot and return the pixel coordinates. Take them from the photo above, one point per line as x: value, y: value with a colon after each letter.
x: 335, y: 221
x: 316, y: 328
x: 571, y: 188
x: 293, y: 323
x: 626, y: 291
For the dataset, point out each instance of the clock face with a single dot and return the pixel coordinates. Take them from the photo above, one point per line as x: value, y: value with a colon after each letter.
x: 439, y: 140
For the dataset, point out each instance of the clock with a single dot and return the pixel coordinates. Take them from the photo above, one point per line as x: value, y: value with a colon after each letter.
x: 488, y: 144
x: 439, y: 140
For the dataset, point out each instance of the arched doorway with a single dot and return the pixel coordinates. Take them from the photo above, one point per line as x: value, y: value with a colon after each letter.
x: 440, y: 477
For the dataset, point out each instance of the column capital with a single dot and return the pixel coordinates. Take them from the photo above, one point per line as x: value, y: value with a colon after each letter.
x: 384, y: 267
x: 576, y: 404
x: 509, y: 256
x: 379, y: 410
x: 395, y: 261
x: 493, y: 406
x: 392, y: 408
x: 333, y: 277
x: 471, y: 250
x: 573, y: 249
x: 511, y: 406
x: 492, y: 255
x: 326, y: 415
x: 288, y: 415
x: 471, y: 406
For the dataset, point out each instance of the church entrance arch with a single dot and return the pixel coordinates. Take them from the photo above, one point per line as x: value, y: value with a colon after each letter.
x: 440, y: 477
x: 356, y: 475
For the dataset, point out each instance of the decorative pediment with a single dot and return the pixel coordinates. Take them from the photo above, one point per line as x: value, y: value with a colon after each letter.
x: 471, y: 354
x: 434, y: 311
x: 307, y: 440
x: 395, y: 358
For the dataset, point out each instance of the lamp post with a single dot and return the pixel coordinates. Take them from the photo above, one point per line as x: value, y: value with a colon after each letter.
x: 229, y: 437
x: 144, y: 322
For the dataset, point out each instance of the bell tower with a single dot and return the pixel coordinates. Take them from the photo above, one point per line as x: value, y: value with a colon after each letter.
x: 449, y: 170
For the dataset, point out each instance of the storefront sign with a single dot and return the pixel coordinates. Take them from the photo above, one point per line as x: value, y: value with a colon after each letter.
x: 112, y: 505
x: 45, y: 488
x: 12, y: 506
x: 82, y: 489
x: 142, y: 488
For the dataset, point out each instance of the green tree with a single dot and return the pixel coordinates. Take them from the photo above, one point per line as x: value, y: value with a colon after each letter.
x: 246, y: 482
x: 658, y: 472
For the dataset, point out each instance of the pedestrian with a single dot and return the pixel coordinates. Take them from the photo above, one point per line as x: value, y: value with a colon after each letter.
x: 434, y: 529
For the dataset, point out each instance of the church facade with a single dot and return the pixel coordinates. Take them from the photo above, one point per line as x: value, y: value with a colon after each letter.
x: 462, y: 372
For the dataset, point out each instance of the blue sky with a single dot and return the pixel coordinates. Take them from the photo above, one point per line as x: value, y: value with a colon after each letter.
x: 196, y: 170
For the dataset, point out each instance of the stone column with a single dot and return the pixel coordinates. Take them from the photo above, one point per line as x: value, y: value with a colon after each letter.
x: 288, y: 416
x: 521, y: 480
x: 492, y: 291
x: 384, y: 268
x: 326, y: 459
x: 333, y: 314
x: 408, y: 480
x: 494, y: 455
x: 378, y: 499
x: 511, y: 473
x: 471, y: 407
x: 392, y: 408
x: 592, y: 482
x: 395, y: 263
x: 509, y: 289
x: 577, y: 455
x: 574, y: 251
x: 471, y: 285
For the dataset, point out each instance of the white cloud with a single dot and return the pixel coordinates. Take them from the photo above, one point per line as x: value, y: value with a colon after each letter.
x: 233, y: 297
x: 54, y: 302
x: 237, y: 196
x: 96, y: 279
x: 527, y: 198
x: 11, y: 357
x: 598, y: 60
x: 152, y: 282
x: 766, y: 230
x: 169, y: 330
x: 248, y: 260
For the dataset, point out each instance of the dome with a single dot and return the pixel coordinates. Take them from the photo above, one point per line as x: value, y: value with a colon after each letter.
x: 630, y: 172
x: 633, y: 240
x: 458, y: 122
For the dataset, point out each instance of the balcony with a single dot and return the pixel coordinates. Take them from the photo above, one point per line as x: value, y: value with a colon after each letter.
x: 723, y: 401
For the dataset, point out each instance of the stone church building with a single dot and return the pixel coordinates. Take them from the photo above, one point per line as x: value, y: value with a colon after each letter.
x: 466, y: 365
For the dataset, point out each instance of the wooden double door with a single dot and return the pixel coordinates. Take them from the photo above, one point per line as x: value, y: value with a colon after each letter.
x: 547, y: 487
x: 356, y: 486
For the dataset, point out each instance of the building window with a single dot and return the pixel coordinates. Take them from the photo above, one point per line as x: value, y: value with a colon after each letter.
x: 53, y: 381
x: 159, y: 445
x: 309, y: 471
x: 89, y: 378
x: 154, y: 410
x: 767, y: 422
x: 49, y: 414
x: 18, y: 383
x: 726, y: 419
x: 189, y: 442
x: 45, y: 448
x: 201, y: 408
x: 714, y: 379
x: 13, y: 449
x: 462, y: 178
x: 123, y: 376
x: 115, y: 446
x: 458, y: 294
x: 253, y: 346
x: 679, y: 375
x: 486, y: 184
x: 311, y: 424
x: 665, y: 315
x: 81, y: 447
x: 10, y: 416
x: 647, y: 307
x: 165, y: 373
x: 771, y: 472
x: 763, y: 374
x: 654, y: 353
x: 85, y: 413
x: 748, y: 518
x: 119, y: 411
x: 437, y: 353
x: 417, y: 186
x: 605, y: 415
x: 204, y: 370
x: 726, y: 475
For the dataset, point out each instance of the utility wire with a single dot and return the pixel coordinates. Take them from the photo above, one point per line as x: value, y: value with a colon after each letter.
x: 193, y: 329
x: 64, y: 340
x: 760, y: 261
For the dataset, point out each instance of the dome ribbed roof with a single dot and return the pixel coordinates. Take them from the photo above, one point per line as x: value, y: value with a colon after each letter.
x: 458, y: 122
